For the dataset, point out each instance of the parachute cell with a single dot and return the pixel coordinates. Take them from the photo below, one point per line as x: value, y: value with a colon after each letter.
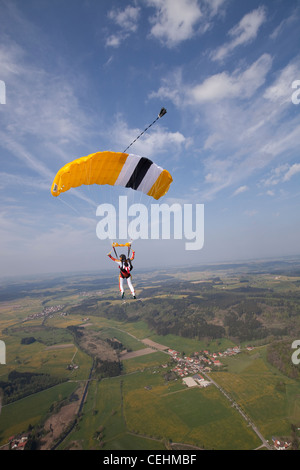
x: 113, y: 168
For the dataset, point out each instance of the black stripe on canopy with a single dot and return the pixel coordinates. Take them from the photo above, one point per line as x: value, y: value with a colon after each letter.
x: 139, y: 173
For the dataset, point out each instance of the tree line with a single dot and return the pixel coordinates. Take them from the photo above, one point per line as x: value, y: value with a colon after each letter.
x: 22, y: 384
x: 279, y: 355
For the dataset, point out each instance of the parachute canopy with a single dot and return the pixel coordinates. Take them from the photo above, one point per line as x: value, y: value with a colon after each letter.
x: 115, y: 244
x: 113, y: 168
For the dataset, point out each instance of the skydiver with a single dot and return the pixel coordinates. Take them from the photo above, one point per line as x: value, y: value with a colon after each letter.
x: 125, y: 267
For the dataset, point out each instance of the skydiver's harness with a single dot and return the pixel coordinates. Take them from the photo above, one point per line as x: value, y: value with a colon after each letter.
x: 125, y: 269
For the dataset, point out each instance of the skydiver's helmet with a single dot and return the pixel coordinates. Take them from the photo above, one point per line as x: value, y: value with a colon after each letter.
x: 123, y: 258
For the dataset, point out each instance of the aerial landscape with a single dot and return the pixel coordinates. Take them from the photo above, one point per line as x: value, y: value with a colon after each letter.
x: 149, y: 227
x: 208, y: 366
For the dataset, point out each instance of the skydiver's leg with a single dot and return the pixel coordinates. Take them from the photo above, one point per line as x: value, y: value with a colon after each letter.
x: 121, y: 286
x: 130, y: 286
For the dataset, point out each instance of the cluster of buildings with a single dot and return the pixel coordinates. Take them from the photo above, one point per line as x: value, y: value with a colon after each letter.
x: 18, y: 443
x: 196, y: 380
x: 72, y: 367
x: 280, y: 445
x: 199, y: 361
x: 47, y: 312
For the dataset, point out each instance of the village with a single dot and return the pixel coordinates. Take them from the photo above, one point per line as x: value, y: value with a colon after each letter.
x: 202, y: 361
x: 47, y: 312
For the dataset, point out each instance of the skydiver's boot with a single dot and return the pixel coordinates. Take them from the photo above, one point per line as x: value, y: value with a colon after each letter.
x: 133, y: 296
x: 122, y: 295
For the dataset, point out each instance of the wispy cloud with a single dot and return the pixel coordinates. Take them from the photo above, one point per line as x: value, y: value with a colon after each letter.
x: 27, y: 248
x: 213, y: 7
x: 293, y: 170
x: 281, y: 174
x: 39, y: 103
x: 41, y: 108
x: 241, y: 83
x: 245, y: 116
x: 26, y: 157
x: 127, y: 22
x: 241, y: 34
x: 240, y: 190
x: 285, y: 23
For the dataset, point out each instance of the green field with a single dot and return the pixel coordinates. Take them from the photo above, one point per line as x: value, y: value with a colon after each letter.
x: 128, y: 412
x: 270, y: 398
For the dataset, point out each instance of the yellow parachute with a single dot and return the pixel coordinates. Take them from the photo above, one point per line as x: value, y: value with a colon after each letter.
x: 113, y: 168
x: 115, y: 244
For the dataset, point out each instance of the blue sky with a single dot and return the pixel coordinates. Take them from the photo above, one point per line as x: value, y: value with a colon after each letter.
x: 83, y: 76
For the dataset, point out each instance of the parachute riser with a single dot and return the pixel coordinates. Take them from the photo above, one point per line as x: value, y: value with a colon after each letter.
x: 160, y: 115
x: 114, y: 245
x: 115, y: 252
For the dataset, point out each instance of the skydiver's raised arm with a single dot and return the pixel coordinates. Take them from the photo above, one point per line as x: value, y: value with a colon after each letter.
x: 111, y: 257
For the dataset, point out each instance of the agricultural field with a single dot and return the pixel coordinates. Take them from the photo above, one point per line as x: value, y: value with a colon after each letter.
x: 270, y: 398
x: 87, y: 371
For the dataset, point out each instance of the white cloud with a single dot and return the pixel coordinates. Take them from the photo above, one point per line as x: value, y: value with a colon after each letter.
x: 284, y: 139
x: 126, y: 19
x: 240, y: 190
x: 281, y: 174
x: 275, y: 176
x: 239, y: 84
x: 175, y: 20
x: 214, y: 6
x: 172, y: 88
x: 127, y: 22
x: 281, y: 90
x: 243, y: 33
x: 114, y: 40
x: 293, y: 170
